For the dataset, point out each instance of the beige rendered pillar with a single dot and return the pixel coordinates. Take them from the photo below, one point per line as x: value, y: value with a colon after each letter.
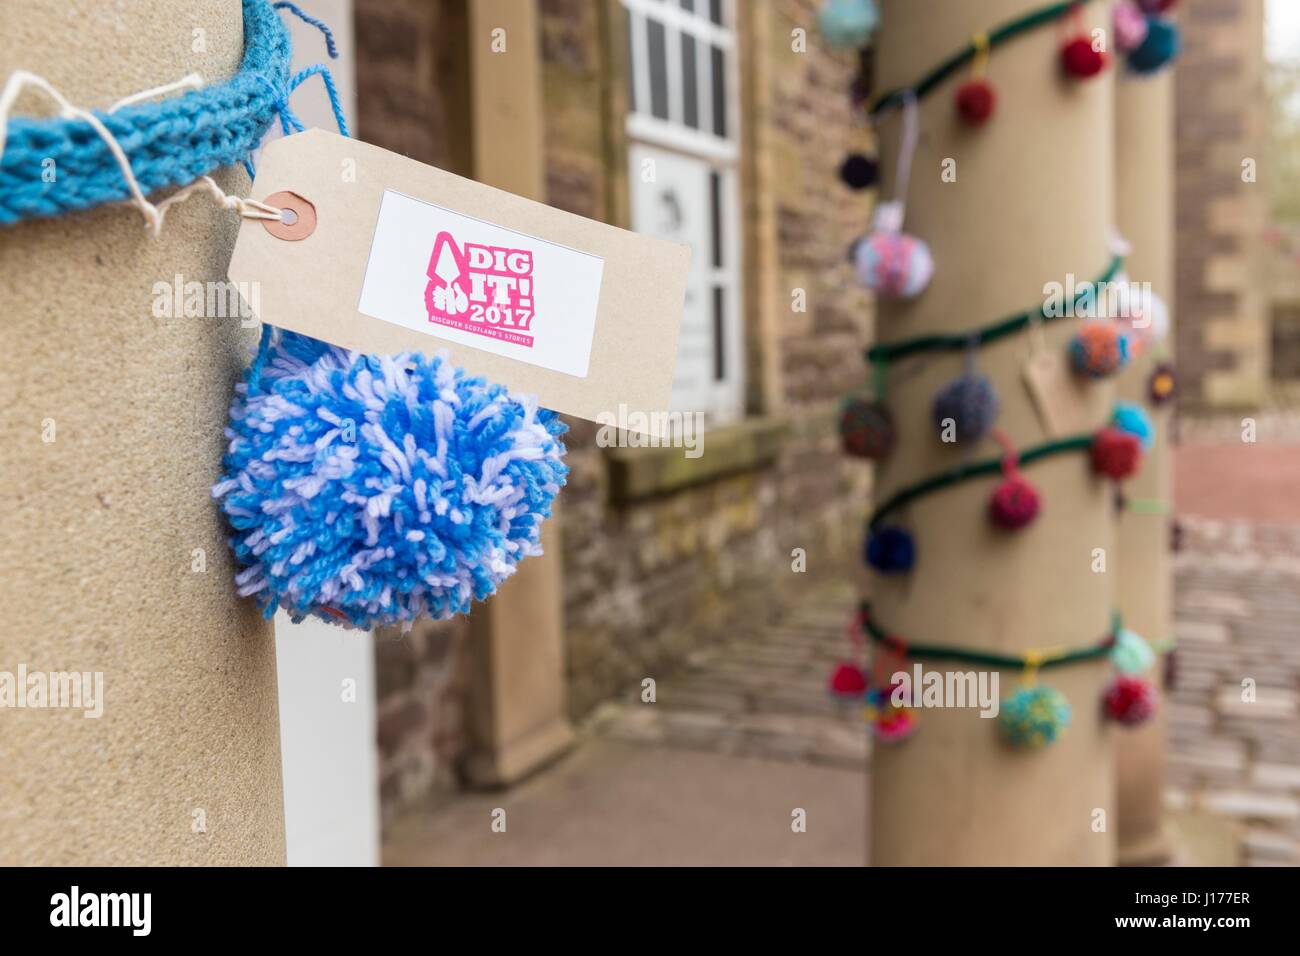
x: 112, y: 554
x: 1032, y: 202
x: 517, y: 718
x: 1144, y: 203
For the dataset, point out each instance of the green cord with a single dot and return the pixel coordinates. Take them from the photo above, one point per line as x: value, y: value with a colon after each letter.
x: 990, y: 333
x: 1003, y: 661
x: 975, y: 469
x: 1028, y: 21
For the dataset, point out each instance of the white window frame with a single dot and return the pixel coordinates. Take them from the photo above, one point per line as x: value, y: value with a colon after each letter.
x: 722, y: 154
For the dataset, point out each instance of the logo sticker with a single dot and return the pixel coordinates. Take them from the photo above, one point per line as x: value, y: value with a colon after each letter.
x: 487, y: 290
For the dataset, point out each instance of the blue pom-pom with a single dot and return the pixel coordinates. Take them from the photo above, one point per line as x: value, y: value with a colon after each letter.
x: 1133, y: 418
x: 371, y: 490
x: 890, y: 550
x: 970, y: 403
x: 1158, y: 49
x: 848, y: 23
x: 1034, y: 716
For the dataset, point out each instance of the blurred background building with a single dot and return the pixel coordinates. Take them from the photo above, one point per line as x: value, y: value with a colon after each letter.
x: 727, y: 579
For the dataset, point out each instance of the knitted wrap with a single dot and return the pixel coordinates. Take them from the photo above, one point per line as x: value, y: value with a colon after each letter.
x: 171, y: 142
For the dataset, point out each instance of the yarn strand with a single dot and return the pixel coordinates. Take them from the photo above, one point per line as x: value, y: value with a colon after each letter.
x: 959, y: 341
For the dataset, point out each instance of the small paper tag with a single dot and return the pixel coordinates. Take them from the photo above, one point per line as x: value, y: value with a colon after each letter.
x: 406, y: 257
x: 1055, y: 394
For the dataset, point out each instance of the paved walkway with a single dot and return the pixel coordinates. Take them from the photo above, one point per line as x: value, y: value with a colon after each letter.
x: 1237, y: 600
x: 712, y: 772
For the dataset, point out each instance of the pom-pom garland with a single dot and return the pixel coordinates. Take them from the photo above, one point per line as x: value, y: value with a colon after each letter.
x: 1158, y: 49
x: 1157, y: 6
x: 965, y: 408
x: 1098, y: 349
x: 1130, y: 700
x: 847, y: 680
x: 1162, y: 385
x: 1014, y: 504
x: 976, y: 100
x: 1081, y: 59
x: 866, y: 428
x: 1132, y: 418
x: 848, y: 23
x: 1131, y: 654
x: 890, y: 550
x: 1115, y: 454
x: 1034, y: 716
x: 859, y: 171
x: 370, y: 490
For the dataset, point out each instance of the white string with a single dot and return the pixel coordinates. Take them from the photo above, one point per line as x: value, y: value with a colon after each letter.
x: 907, y: 146
x: 153, y: 215
x: 192, y: 81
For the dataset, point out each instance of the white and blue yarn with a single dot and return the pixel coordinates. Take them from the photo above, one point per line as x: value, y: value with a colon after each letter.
x: 371, y: 490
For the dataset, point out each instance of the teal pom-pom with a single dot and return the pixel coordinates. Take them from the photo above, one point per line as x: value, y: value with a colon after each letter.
x: 1034, y: 716
x: 1158, y: 49
x: 1133, y: 418
x: 1131, y: 653
x: 848, y: 23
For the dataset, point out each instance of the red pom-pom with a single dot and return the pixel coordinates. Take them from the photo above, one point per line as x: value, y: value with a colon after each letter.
x: 975, y: 101
x: 1130, y: 700
x: 1014, y: 503
x: 847, y: 680
x: 1080, y: 59
x: 1116, y: 454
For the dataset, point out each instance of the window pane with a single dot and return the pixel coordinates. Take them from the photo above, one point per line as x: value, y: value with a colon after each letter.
x: 658, y: 69
x: 719, y: 92
x: 690, y: 104
x: 719, y: 328
x: 688, y: 5
x: 715, y: 11
x: 715, y: 217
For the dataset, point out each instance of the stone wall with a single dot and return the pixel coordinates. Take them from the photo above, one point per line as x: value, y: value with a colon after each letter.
x: 1222, y: 321
x: 653, y: 576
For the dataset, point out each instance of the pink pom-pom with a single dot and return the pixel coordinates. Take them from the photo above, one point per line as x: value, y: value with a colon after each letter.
x: 1015, y: 503
x: 1130, y: 700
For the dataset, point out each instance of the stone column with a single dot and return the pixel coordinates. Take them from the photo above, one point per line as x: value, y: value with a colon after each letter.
x: 517, y: 718
x: 113, y: 556
x: 1144, y: 213
x: 1031, y: 203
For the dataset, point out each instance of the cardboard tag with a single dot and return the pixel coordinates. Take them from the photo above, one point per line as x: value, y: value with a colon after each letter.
x: 406, y: 257
x: 1055, y: 394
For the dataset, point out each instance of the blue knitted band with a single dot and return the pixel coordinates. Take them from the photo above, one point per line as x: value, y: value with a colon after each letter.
x: 170, y: 143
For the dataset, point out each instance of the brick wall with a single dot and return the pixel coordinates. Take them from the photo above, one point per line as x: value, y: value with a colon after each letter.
x: 411, y: 99
x: 1222, y: 328
x: 648, y: 581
